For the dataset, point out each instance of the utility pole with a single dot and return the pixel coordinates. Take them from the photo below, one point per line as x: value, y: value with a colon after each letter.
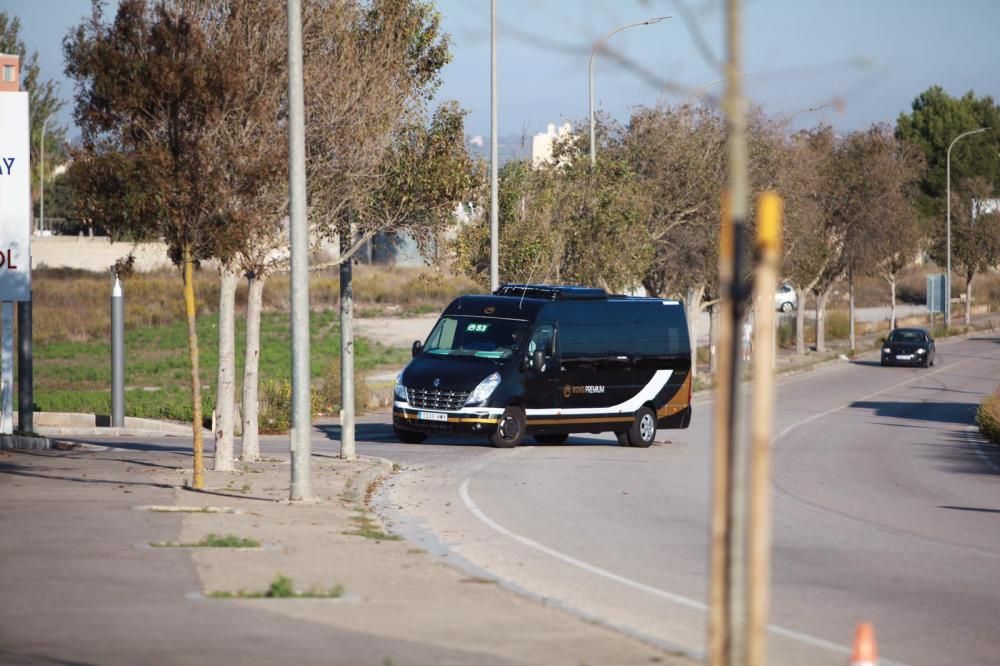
x: 728, y: 588
x: 299, y: 437
x: 494, y: 166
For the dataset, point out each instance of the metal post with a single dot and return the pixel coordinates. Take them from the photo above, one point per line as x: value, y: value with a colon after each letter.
x: 347, y: 450
x: 117, y: 355
x: 593, y: 53
x: 947, y: 279
x: 7, y: 368
x: 494, y: 161
x: 25, y: 370
x: 299, y: 437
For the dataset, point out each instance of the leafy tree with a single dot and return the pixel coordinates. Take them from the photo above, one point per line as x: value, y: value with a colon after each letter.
x: 149, y: 93
x: 935, y: 120
x: 424, y: 174
x: 566, y: 223
x: 975, y: 232
x: 43, y: 102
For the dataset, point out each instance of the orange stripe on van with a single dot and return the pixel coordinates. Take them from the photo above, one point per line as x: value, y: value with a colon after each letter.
x: 679, y: 402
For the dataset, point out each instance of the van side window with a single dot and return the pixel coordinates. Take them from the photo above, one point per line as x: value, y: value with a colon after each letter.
x: 583, y: 336
x: 543, y: 339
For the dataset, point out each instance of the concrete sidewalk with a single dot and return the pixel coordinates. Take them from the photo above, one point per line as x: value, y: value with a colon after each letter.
x: 83, y: 584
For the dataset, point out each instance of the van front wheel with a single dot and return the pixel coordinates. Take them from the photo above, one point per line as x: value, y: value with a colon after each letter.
x: 510, y: 428
x: 643, y: 430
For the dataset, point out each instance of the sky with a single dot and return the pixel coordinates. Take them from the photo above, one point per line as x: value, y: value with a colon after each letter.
x: 849, y: 63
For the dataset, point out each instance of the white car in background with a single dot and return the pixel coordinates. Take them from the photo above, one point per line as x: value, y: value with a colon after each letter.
x: 785, y: 299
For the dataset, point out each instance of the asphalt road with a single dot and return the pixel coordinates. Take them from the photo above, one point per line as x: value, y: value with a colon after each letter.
x: 886, y: 508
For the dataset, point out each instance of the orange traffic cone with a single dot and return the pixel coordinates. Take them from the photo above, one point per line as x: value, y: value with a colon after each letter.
x: 865, y: 653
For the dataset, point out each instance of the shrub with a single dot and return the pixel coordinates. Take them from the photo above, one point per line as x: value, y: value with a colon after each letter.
x: 274, y: 407
x: 988, y: 417
x: 838, y: 325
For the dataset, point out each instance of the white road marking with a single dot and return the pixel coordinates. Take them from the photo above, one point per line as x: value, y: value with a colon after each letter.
x: 678, y: 599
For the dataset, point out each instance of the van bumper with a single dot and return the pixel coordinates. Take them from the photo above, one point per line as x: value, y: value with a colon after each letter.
x: 481, y: 422
x: 681, y: 419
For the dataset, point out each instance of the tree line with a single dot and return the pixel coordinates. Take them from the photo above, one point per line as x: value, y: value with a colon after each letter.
x: 182, y: 109
x: 862, y: 203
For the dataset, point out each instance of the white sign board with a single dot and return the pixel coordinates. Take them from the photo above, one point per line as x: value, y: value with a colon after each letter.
x: 15, y: 198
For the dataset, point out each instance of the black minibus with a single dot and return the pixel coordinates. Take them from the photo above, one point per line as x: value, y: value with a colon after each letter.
x: 548, y: 361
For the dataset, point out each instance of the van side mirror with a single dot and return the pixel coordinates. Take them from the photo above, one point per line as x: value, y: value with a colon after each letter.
x: 539, y: 360
x: 417, y: 346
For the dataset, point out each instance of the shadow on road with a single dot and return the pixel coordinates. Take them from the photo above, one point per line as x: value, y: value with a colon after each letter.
x: 966, y: 453
x: 970, y: 508
x: 381, y: 433
x: 935, y: 412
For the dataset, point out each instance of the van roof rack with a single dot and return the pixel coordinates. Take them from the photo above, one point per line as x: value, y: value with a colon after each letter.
x: 551, y: 292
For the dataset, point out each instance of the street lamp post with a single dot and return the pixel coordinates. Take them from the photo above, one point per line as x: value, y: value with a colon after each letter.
x: 947, y: 280
x: 41, y: 179
x: 593, y: 53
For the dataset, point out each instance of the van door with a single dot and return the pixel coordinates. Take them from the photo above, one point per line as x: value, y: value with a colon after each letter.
x: 621, y: 382
x: 584, y: 355
x: 541, y: 385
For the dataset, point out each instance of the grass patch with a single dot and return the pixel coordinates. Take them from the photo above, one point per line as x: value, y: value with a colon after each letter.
x: 367, y: 528
x: 282, y: 587
x: 212, y: 541
x: 76, y: 376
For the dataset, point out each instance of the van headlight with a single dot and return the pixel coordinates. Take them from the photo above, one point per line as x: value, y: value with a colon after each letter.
x: 484, y: 390
x: 400, y: 391
x: 921, y: 351
x: 886, y: 350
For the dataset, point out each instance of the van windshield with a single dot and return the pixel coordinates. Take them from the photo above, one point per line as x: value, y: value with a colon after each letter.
x: 481, y: 337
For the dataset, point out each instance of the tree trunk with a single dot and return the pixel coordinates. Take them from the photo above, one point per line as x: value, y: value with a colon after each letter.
x: 713, y: 331
x: 198, y: 481
x: 821, y: 300
x: 692, y: 306
x: 347, y: 450
x: 800, y: 322
x: 225, y: 395
x: 250, y: 450
x: 892, y: 302
x: 850, y: 308
x: 968, y: 298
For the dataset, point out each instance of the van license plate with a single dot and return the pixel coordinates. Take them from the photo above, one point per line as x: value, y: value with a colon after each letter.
x: 904, y: 357
x: 432, y: 416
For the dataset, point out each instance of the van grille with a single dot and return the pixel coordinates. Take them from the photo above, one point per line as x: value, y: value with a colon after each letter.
x: 437, y: 399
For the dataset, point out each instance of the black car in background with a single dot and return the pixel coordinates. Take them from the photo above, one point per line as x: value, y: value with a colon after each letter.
x: 908, y: 346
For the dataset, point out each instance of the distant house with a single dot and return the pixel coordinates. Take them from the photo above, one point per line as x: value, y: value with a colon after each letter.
x: 10, y: 73
x: 542, y: 144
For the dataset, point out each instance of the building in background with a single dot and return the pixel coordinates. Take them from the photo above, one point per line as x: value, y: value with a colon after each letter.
x: 541, y: 144
x: 10, y: 73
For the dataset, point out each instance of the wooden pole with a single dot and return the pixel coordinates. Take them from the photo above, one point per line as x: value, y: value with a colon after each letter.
x: 768, y: 255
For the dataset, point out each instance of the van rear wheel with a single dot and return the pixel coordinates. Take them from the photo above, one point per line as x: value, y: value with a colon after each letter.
x: 643, y: 430
x: 510, y: 428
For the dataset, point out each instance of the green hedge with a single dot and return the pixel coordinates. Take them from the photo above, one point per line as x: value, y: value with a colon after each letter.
x: 988, y: 417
